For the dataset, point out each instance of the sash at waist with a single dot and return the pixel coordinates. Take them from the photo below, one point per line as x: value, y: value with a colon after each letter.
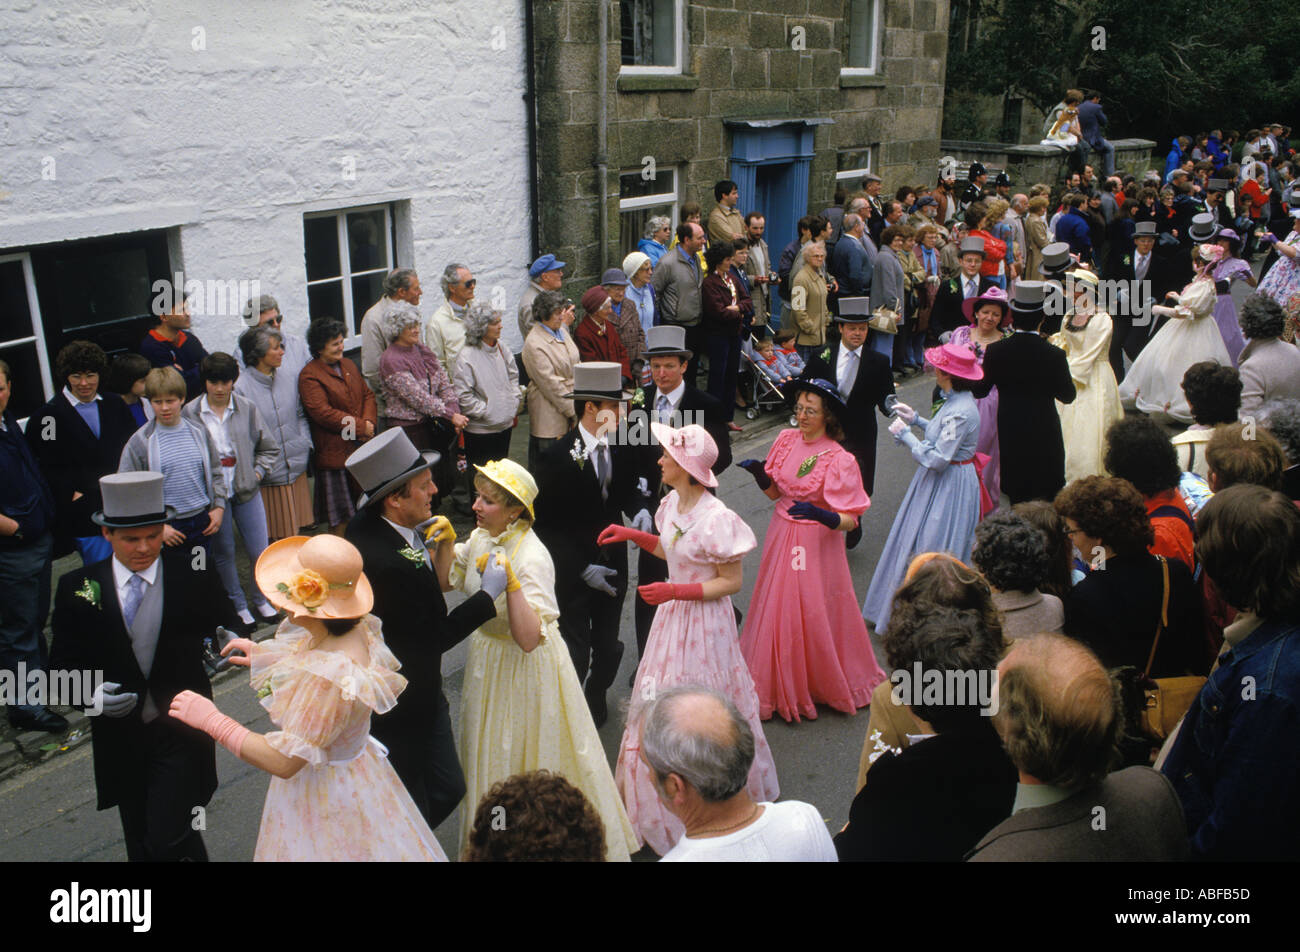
x: 379, y: 749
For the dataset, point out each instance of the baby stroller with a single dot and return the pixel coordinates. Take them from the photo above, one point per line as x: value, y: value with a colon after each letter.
x: 763, y: 392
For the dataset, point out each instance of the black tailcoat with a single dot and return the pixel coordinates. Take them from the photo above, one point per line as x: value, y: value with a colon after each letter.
x: 874, y: 382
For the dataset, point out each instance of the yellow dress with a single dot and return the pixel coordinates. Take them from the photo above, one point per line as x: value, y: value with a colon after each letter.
x: 1085, y: 421
x: 524, y: 711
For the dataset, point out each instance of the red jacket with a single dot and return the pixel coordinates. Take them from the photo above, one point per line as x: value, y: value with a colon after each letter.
x: 995, y: 249
x: 601, y: 344
x: 332, y: 404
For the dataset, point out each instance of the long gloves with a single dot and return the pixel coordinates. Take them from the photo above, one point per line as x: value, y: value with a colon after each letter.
x: 755, y: 468
x: 616, y: 533
x: 108, y: 702
x: 497, y: 575
x: 656, y: 593
x: 197, y: 711
x: 814, y: 513
x: 598, y: 576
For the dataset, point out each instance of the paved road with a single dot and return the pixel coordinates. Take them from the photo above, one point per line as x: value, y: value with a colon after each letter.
x: 48, y: 812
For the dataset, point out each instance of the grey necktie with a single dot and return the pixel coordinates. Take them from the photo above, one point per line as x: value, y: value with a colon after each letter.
x: 971, y: 288
x: 850, y: 373
x: 134, y: 595
x: 1140, y: 272
x: 664, y: 409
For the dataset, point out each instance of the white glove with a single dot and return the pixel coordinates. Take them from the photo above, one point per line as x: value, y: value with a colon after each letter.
x: 904, y: 413
x: 598, y: 576
x: 107, y: 701
x: 897, y: 427
x: 643, y: 487
x: 494, y: 578
x: 643, y: 521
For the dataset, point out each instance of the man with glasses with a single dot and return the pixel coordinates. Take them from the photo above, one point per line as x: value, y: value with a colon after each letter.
x: 446, y: 334
x: 266, y: 310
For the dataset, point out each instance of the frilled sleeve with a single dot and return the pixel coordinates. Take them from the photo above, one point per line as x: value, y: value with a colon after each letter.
x: 724, y: 537
x: 842, y: 488
x: 1197, y: 300
x: 536, y: 573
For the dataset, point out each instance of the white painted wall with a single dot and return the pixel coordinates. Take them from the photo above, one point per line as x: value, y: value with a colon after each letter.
x: 231, y: 118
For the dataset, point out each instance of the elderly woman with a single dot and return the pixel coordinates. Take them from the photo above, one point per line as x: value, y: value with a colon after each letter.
x: 341, y: 411
x: 657, y: 232
x: 549, y: 355
x: 597, y: 337
x: 1213, y: 392
x: 1270, y: 367
x: 887, y: 285
x: 1117, y: 608
x: 487, y: 387
x: 927, y: 253
x: 1012, y: 554
x: 285, y: 494
x: 626, y: 319
x: 638, y: 268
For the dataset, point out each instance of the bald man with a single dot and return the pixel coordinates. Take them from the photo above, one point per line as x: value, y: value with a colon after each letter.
x: 1060, y: 719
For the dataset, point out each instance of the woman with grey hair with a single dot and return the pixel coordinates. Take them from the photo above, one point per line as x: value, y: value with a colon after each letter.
x: 657, y: 232
x: 487, y: 386
x: 549, y: 356
x: 1012, y: 554
x: 273, y: 389
x: 1282, y: 419
x: 1269, y: 366
x: 418, y: 397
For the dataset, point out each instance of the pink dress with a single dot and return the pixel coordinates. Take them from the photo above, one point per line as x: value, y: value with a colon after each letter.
x: 691, y: 642
x: 347, y: 804
x: 988, y: 408
x: 804, y: 639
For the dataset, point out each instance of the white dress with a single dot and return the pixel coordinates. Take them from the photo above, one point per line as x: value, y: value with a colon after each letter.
x: 1154, y: 382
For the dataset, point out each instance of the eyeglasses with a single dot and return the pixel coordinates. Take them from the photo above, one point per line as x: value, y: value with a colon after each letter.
x: 470, y: 283
x: 807, y: 411
x: 1071, y: 533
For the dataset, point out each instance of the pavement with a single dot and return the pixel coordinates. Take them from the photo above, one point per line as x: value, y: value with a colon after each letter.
x: 47, y: 791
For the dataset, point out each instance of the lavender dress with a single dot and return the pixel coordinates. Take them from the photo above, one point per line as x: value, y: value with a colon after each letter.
x: 988, y: 408
x: 1225, y: 311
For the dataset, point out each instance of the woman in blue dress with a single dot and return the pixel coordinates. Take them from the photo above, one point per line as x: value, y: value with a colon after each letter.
x: 942, y: 504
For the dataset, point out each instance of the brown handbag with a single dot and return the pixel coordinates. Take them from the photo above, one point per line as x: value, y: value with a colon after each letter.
x: 1170, y: 698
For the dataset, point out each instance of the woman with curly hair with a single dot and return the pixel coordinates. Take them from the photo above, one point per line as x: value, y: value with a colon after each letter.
x: 1138, y: 450
x: 536, y: 817
x: 1213, y: 393
x: 1012, y: 554
x: 1270, y: 367
x: 1060, y: 573
x: 1117, y: 609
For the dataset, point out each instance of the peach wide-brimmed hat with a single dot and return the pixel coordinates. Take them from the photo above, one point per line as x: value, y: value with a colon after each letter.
x: 317, y: 577
x: 691, y: 448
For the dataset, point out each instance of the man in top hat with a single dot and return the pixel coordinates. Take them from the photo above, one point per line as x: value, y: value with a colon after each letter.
x: 946, y: 315
x: 408, y: 583
x: 1215, y: 190
x: 863, y: 378
x: 1031, y: 375
x: 671, y: 400
x: 1057, y: 260
x: 544, y: 274
x: 587, y: 480
x: 1145, y: 280
x: 139, y: 618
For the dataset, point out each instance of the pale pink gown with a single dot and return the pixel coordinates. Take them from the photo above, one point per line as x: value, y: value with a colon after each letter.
x: 691, y: 642
x: 804, y: 638
x: 347, y: 804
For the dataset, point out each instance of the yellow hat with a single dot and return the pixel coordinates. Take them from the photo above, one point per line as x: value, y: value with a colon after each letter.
x: 514, y: 479
x: 1084, y: 276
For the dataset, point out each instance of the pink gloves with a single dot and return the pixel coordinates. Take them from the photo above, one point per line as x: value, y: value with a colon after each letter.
x: 656, y: 593
x: 616, y: 533
x: 197, y: 711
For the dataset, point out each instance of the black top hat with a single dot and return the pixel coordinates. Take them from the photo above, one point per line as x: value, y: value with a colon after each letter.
x: 1056, y: 258
x: 598, y: 380
x: 386, y: 463
x: 666, y: 340
x: 823, y: 388
x: 132, y: 500
x: 1203, y: 228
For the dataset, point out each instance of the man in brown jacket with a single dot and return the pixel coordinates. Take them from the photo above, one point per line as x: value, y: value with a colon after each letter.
x: 725, y: 223
x: 808, y: 301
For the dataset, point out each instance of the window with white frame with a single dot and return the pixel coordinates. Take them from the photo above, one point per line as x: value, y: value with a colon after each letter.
x: 348, y: 252
x: 864, y: 38
x: 653, y: 34
x: 642, y: 197
x: 852, y: 164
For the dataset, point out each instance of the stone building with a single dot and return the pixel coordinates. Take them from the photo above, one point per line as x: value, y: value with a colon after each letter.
x: 783, y: 96
x: 309, y: 146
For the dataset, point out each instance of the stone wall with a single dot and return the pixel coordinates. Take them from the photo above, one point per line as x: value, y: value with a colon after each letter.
x: 740, y: 64
x: 1028, y: 164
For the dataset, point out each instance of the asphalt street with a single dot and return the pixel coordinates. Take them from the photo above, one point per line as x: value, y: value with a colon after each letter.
x: 48, y: 812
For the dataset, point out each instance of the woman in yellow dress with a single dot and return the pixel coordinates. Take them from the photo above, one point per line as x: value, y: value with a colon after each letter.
x: 522, y: 708
x: 1085, y: 337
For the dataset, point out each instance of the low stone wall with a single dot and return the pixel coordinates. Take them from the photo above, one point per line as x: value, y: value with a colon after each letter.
x: 1027, y: 164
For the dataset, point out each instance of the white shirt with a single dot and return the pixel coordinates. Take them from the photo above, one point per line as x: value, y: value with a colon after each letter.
x: 846, y: 369
x: 674, y: 397
x: 67, y: 392
x: 217, y: 426
x: 122, y: 575
x: 787, y: 832
x: 412, y: 536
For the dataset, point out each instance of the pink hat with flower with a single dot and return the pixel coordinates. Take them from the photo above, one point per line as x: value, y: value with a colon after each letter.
x: 956, y: 361
x: 691, y: 448
x: 993, y: 295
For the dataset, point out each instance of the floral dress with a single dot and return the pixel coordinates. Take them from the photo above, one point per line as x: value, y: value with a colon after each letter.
x: 347, y: 804
x: 1282, y: 284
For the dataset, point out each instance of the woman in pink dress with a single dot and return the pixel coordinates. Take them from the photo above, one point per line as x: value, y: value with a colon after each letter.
x: 805, y: 640
x: 333, y: 796
x: 990, y: 321
x: 693, y: 639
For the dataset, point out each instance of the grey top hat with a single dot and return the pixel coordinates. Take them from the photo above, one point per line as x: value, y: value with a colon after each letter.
x: 132, y: 500
x: 598, y: 380
x: 1056, y: 258
x: 385, y: 463
x: 1028, y: 296
x: 1144, y: 229
x: 971, y: 246
x: 666, y: 340
x: 1203, y: 228
x: 854, y: 310
x: 1218, y: 185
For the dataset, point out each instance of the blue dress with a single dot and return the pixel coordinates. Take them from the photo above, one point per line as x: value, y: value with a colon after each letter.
x: 942, y: 504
